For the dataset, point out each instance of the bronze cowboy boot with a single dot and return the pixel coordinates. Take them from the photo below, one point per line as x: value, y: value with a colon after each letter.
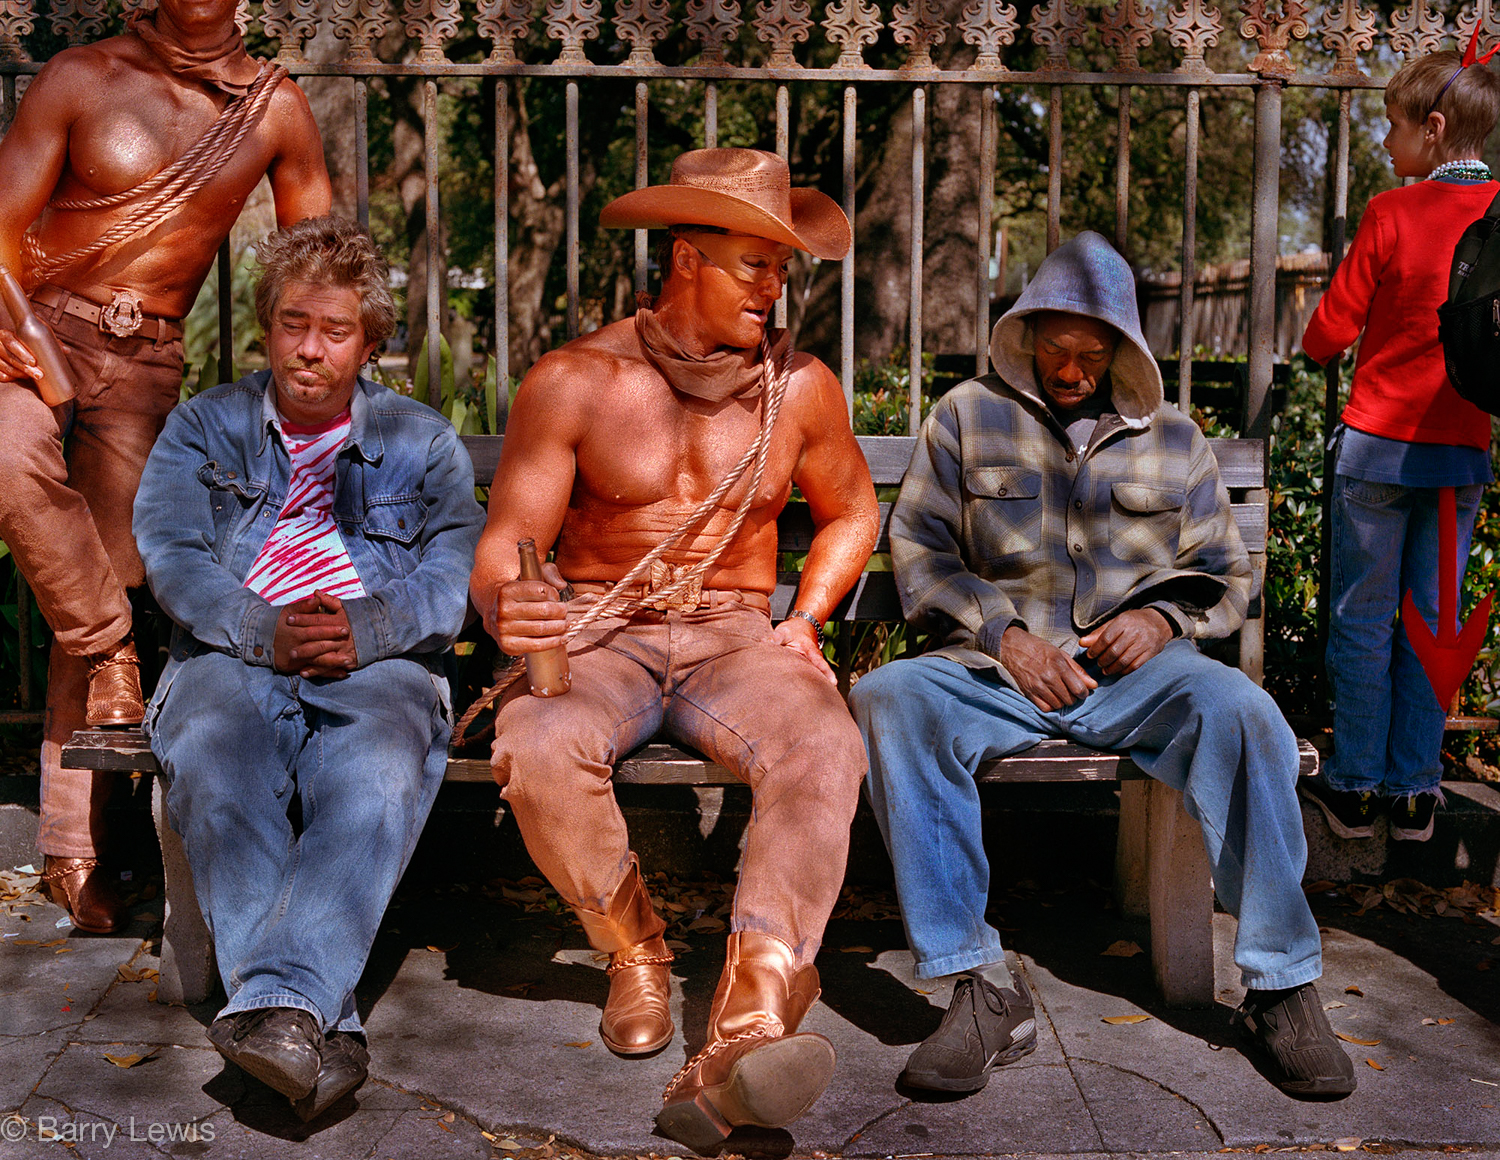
x: 115, y: 687
x: 754, y: 1069
x: 86, y: 893
x: 636, y: 1019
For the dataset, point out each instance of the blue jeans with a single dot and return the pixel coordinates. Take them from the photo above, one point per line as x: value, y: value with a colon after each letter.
x: 1387, y: 724
x: 1188, y: 721
x: 293, y: 915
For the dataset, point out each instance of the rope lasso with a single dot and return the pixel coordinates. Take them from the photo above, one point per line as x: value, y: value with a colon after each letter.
x: 168, y: 190
x: 617, y: 602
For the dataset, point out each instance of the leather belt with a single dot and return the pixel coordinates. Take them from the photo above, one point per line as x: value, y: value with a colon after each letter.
x: 708, y: 598
x: 121, y: 317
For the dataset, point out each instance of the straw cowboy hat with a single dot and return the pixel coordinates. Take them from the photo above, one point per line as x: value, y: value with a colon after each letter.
x: 744, y: 191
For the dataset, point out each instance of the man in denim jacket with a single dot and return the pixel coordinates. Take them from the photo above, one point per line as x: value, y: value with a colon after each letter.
x: 1066, y: 538
x: 311, y: 534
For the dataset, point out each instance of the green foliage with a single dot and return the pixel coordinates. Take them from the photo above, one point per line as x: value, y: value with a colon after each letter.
x: 201, y: 367
x: 882, y: 393
x: 472, y: 408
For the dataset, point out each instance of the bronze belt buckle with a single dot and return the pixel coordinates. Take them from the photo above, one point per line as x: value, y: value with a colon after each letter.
x: 664, y: 575
x: 123, y: 316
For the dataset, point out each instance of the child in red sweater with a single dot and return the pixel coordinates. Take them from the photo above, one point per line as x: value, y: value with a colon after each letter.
x: 1404, y: 435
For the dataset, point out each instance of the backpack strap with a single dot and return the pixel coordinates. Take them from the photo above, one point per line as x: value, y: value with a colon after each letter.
x: 1467, y: 252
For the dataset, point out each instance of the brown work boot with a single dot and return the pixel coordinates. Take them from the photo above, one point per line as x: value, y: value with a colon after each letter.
x: 115, y: 687
x: 81, y: 888
x: 636, y: 1019
x: 754, y: 1069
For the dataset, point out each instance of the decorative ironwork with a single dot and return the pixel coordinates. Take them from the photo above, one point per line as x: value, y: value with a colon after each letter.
x: 1194, y: 28
x: 781, y: 23
x: 1416, y: 29
x: 713, y: 23
x: 504, y: 22
x: 432, y: 22
x: 131, y: 7
x: 361, y: 23
x: 1274, y: 31
x: 571, y: 22
x: 1347, y: 29
x: 919, y: 25
x: 987, y: 25
x: 79, y: 20
x: 1055, y: 25
x: 1128, y: 28
x: 852, y: 25
x: 291, y: 22
x: 1485, y: 17
x: 640, y: 24
x: 17, y: 18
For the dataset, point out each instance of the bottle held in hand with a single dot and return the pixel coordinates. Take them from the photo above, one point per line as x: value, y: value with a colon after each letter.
x: 56, y: 384
x: 547, y: 671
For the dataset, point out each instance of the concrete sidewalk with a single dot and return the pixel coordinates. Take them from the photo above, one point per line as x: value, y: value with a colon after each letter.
x: 482, y: 1004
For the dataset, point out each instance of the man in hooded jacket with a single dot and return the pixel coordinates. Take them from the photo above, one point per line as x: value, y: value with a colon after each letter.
x: 1067, y: 539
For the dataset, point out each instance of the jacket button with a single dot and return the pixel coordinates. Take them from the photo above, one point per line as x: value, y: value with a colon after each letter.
x: 401, y: 523
x: 260, y: 652
x: 234, y: 475
x: 1078, y: 505
x: 1077, y: 547
x: 1000, y: 492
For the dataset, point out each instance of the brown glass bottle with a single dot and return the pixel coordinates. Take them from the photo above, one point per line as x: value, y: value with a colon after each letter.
x: 547, y: 671
x: 56, y: 384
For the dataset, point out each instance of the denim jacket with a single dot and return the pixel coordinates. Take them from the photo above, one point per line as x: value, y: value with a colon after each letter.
x: 404, y: 504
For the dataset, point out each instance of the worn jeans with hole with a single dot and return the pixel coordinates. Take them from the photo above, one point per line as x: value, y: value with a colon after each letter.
x: 293, y: 915
x: 1387, y: 723
x: 1190, y: 722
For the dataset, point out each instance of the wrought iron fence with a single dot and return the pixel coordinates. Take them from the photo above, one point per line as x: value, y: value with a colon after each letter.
x: 1284, y: 42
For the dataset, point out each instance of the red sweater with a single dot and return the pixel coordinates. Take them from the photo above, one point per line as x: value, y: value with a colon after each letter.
x: 1389, y: 285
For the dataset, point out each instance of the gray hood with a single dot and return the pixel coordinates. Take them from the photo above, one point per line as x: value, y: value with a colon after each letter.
x: 1086, y: 276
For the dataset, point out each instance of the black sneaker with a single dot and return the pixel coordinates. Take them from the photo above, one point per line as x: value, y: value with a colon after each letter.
x: 985, y: 1028
x: 1291, y: 1030
x: 280, y: 1046
x: 1350, y: 813
x: 1412, y: 815
x: 345, y: 1066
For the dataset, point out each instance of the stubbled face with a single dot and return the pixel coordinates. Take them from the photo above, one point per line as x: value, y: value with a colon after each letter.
x: 1071, y: 354
x: 1411, y: 144
x: 738, y: 280
x: 317, y: 345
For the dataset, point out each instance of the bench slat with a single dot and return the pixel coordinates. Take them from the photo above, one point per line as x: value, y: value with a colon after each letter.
x: 658, y: 763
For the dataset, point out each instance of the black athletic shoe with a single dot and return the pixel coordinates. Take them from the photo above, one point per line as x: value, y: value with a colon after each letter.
x: 1412, y: 815
x: 1293, y: 1033
x: 1350, y: 813
x: 345, y: 1066
x: 985, y: 1028
x: 280, y: 1046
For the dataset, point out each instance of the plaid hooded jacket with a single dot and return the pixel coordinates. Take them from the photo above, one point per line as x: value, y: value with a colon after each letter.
x: 1002, y: 521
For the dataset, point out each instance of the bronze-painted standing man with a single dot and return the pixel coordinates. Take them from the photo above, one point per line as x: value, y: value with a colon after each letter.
x: 89, y: 155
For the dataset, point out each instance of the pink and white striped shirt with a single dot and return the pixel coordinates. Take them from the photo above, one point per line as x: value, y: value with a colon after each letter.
x: 304, y: 552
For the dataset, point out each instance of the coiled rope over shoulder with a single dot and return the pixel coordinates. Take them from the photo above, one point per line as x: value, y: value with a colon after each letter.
x: 616, y: 602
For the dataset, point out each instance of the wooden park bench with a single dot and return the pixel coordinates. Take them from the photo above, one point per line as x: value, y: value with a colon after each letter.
x: 1161, y: 871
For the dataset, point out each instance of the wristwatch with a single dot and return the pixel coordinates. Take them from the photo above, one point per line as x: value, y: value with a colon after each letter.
x: 811, y: 619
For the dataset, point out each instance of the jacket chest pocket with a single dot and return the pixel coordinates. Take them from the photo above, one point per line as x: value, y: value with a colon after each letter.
x: 394, y: 530
x: 1002, y: 511
x: 230, y: 497
x: 1145, y: 523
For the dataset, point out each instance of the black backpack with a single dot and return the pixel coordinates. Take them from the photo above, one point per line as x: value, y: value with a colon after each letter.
x: 1469, y: 322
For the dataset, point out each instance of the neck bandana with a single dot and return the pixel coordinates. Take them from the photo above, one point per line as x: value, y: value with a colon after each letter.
x: 725, y: 374
x: 226, y: 65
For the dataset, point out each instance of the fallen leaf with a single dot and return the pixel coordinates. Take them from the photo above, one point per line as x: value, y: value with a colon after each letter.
x: 129, y: 1060
x: 1334, y: 1006
x: 508, y: 1144
x: 1122, y: 949
x: 442, y: 950
x: 449, y: 1118
x: 858, y: 950
x: 1348, y: 1143
x: 1484, y: 964
x: 1444, y: 1022
x: 1351, y: 989
x: 1361, y: 1042
x: 1429, y: 1022
x: 674, y: 944
x: 706, y: 925
x: 1118, y: 1019
x: 1375, y: 1065
x: 1321, y: 886
x: 580, y: 1044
